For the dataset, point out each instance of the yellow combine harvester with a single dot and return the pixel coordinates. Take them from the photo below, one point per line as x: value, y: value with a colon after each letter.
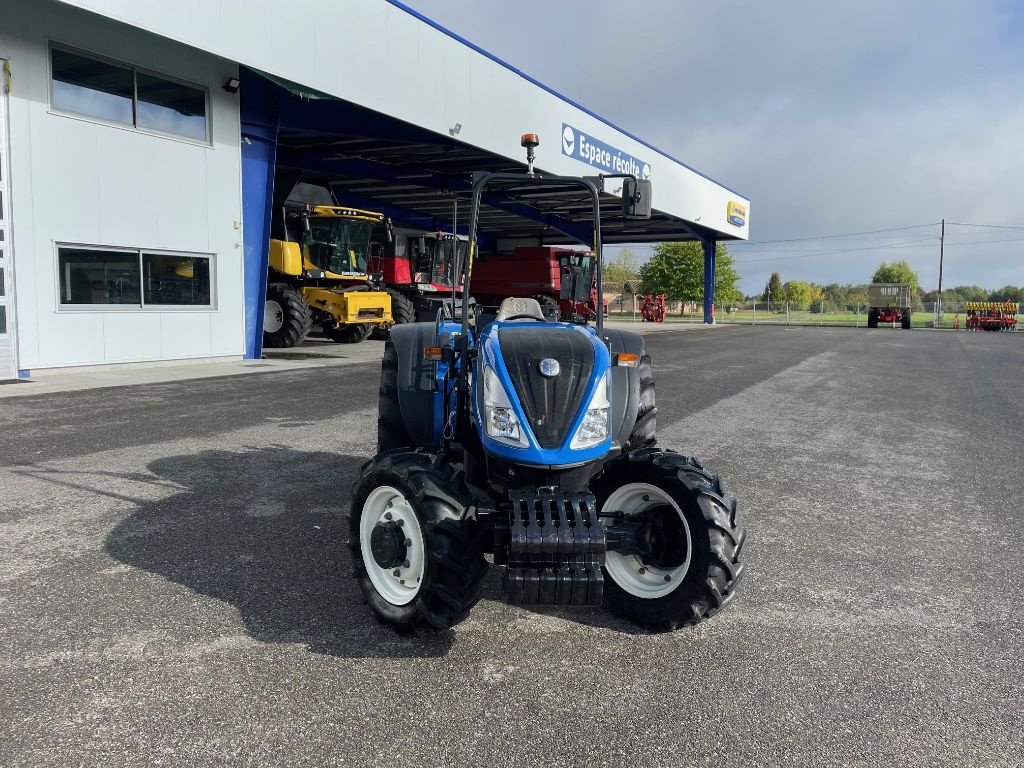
x: 318, y: 275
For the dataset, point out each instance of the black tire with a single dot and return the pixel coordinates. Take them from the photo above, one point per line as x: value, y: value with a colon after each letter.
x: 872, y: 319
x: 391, y: 431
x: 548, y: 306
x: 717, y: 537
x: 402, y: 308
x: 352, y: 333
x: 644, y: 432
x: 454, y: 564
x: 296, y: 318
x: 905, y: 321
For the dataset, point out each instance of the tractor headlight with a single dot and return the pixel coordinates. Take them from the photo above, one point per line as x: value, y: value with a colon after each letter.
x: 500, y: 417
x: 594, y: 427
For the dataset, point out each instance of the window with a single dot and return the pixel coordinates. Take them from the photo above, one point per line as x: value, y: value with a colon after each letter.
x: 136, y: 278
x: 91, y: 87
x: 182, y: 280
x: 170, y: 107
x: 120, y: 93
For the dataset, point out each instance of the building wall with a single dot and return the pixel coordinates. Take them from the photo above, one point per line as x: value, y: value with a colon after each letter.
x: 415, y: 72
x: 78, y: 180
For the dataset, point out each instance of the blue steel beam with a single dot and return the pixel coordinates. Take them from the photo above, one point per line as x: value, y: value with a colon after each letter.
x: 709, y: 279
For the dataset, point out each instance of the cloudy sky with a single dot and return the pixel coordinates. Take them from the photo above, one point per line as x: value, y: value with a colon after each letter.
x: 833, y: 118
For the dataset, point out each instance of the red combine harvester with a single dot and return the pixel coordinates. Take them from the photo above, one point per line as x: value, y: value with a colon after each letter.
x: 417, y: 268
x: 538, y: 272
x: 653, y: 310
x: 991, y: 315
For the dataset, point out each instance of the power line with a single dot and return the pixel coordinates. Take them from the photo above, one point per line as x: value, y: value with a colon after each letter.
x: 924, y: 242
x: 831, y: 237
x: 985, y: 226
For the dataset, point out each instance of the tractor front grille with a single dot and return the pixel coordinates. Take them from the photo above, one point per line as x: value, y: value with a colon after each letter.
x: 550, y: 404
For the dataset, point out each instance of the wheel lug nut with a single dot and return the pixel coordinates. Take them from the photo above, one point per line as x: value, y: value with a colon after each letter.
x: 408, y: 543
x: 667, y: 577
x: 401, y: 581
x: 642, y: 571
x: 405, y: 564
x: 387, y: 515
x: 396, y: 572
x: 401, y: 523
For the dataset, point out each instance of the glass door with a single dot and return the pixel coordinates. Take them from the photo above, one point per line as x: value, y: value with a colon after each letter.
x: 8, y: 347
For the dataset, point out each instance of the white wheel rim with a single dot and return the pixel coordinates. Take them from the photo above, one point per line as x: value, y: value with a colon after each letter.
x: 273, y: 316
x: 636, y: 577
x: 386, y: 504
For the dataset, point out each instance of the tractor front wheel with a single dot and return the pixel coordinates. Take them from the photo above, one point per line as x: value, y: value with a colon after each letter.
x: 695, y: 539
x: 418, y: 559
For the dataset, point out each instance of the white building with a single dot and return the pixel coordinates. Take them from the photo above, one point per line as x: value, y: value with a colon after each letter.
x: 139, y: 142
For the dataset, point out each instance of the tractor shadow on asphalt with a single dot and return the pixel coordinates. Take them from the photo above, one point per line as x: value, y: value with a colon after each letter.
x: 265, y: 531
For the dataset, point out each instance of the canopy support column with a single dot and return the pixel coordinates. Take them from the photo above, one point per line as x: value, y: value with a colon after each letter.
x: 709, y: 280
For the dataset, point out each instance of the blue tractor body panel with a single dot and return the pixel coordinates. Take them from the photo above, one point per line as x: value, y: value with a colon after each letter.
x: 535, y: 454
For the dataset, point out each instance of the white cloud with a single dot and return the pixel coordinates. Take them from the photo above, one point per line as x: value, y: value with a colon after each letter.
x: 832, y: 117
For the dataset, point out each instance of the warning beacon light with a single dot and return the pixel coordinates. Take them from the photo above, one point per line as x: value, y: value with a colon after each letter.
x: 531, y: 141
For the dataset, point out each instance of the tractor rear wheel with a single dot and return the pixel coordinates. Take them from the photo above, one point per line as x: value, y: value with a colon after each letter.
x: 644, y: 432
x: 350, y: 333
x: 872, y: 318
x: 391, y: 431
x: 548, y: 306
x: 418, y: 558
x: 287, y: 317
x: 698, y: 536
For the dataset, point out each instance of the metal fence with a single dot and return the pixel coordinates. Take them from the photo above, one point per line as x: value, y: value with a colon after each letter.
x: 626, y: 306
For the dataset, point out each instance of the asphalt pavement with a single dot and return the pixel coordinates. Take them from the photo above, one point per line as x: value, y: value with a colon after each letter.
x: 175, y: 587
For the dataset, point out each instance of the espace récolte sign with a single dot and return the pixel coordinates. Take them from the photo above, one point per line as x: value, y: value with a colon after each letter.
x: 587, y: 149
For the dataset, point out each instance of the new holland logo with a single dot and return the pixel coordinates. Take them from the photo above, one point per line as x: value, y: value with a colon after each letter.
x: 736, y: 214
x: 549, y: 368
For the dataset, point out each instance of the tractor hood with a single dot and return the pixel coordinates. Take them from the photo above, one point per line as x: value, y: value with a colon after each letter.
x: 537, y: 382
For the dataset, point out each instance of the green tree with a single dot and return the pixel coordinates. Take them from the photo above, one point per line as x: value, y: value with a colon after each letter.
x: 968, y: 293
x: 625, y: 267
x: 897, y: 272
x: 677, y: 270
x: 1008, y: 293
x: 800, y: 294
x: 773, y: 288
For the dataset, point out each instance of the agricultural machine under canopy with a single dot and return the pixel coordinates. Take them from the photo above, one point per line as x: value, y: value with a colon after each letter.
x: 417, y: 269
x: 317, y: 270
x: 563, y: 280
x: 534, y: 440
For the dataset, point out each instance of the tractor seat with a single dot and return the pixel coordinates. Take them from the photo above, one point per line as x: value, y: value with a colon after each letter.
x: 512, y: 307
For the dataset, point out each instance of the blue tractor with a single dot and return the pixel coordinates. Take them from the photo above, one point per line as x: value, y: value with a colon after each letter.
x: 533, y: 440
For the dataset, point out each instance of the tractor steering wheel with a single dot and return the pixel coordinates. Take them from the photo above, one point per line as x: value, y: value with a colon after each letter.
x: 525, y: 317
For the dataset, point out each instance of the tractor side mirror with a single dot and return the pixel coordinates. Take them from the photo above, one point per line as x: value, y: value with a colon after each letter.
x: 636, y: 199
x: 305, y: 222
x: 389, y: 231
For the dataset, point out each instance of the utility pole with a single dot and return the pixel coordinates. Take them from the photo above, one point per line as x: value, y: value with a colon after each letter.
x: 938, y: 298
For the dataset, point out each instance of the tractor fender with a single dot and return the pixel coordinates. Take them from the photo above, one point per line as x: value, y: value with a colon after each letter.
x: 625, y: 384
x: 415, y: 380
